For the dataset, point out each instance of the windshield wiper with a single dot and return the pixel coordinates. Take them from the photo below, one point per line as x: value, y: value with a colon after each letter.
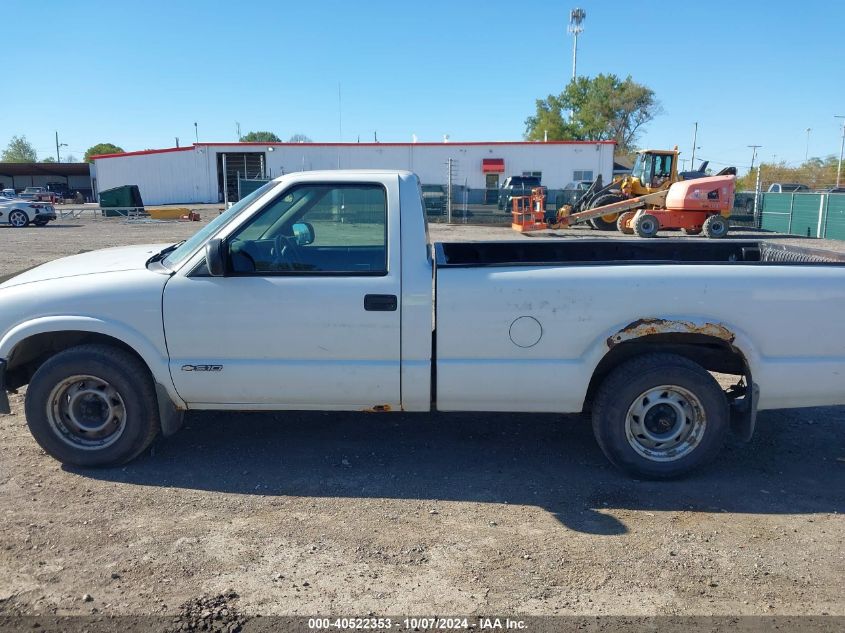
x: 164, y: 252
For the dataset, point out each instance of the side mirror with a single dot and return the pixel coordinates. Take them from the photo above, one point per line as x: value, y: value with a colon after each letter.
x: 215, y: 257
x: 303, y: 233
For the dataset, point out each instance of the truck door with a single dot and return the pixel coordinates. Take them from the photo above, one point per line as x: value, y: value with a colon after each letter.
x: 307, y: 315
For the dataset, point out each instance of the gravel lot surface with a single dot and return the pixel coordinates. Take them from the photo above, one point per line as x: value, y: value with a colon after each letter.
x: 347, y: 514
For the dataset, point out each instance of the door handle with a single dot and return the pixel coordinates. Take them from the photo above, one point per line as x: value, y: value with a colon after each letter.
x: 380, y: 303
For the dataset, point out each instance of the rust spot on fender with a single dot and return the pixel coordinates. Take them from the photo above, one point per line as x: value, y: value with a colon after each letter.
x: 650, y: 327
x: 379, y: 408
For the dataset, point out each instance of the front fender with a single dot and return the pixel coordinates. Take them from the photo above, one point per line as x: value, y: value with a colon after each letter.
x: 148, y: 352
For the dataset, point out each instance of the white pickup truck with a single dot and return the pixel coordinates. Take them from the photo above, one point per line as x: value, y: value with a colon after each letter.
x: 320, y: 291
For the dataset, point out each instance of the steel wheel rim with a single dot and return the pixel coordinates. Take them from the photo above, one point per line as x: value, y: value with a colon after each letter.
x: 17, y: 219
x: 86, y: 412
x: 665, y: 423
x: 717, y: 227
x: 647, y: 226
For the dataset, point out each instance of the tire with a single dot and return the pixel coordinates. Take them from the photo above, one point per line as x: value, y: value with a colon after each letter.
x: 600, y: 223
x: 637, y: 401
x: 117, y: 394
x: 18, y: 219
x: 622, y: 222
x: 646, y: 225
x: 691, y: 231
x: 715, y: 227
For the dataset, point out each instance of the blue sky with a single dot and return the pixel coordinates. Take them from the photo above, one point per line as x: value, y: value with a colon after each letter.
x: 138, y: 74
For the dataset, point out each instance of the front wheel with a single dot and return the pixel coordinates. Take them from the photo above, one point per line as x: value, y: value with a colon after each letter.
x: 715, y: 227
x: 92, y: 405
x: 660, y: 416
x: 18, y: 219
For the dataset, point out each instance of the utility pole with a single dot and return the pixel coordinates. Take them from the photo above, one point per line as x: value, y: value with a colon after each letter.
x: 694, y: 141
x: 753, y: 155
x: 841, y: 148
x: 58, y: 145
x: 196, y: 132
x: 754, y: 149
x: 238, y: 130
x: 576, y: 19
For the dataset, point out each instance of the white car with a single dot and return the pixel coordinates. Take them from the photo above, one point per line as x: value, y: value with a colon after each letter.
x: 20, y: 213
x: 319, y: 291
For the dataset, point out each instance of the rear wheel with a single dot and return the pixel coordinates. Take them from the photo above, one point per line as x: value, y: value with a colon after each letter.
x: 623, y: 223
x: 646, y: 225
x: 18, y: 219
x: 659, y: 416
x: 715, y: 227
x: 92, y: 405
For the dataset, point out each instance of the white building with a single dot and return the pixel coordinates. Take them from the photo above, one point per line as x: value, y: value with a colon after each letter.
x: 195, y: 173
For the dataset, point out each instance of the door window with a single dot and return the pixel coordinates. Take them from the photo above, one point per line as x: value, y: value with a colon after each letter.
x: 315, y: 229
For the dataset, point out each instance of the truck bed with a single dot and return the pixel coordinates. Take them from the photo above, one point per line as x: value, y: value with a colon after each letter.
x: 621, y: 252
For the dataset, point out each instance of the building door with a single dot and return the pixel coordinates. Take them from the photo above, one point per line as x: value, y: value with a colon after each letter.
x: 491, y: 195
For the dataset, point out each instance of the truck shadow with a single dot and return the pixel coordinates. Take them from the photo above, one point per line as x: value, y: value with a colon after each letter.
x: 793, y: 465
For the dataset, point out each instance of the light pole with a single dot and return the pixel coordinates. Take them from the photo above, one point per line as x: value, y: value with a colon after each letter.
x: 576, y: 19
x: 841, y: 147
x: 807, y: 149
x: 196, y: 132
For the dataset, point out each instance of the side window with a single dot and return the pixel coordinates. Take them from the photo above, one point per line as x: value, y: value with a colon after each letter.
x: 316, y: 229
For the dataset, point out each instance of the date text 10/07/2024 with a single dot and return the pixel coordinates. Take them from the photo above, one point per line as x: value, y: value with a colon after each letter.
x: 418, y: 624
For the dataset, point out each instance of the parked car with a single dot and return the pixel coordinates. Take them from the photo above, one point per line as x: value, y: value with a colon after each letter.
x: 572, y: 192
x: 515, y: 186
x: 315, y: 293
x: 20, y: 213
x: 60, y: 189
x: 40, y: 194
x: 8, y: 193
x: 834, y: 190
x: 787, y: 187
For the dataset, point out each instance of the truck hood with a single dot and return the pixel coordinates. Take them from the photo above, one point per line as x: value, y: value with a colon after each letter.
x: 107, y: 260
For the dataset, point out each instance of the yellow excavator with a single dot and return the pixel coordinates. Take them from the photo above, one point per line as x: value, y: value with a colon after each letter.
x: 654, y: 170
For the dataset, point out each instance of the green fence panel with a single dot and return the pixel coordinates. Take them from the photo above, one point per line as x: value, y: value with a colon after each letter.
x: 835, y: 223
x: 776, y: 209
x: 805, y: 214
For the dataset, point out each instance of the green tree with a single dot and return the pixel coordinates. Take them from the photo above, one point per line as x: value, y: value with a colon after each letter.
x: 602, y: 108
x: 260, y: 137
x: 49, y: 159
x: 299, y: 138
x: 816, y: 173
x: 101, y: 148
x: 19, y: 150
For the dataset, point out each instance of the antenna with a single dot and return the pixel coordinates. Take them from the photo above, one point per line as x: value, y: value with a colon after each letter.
x: 576, y: 19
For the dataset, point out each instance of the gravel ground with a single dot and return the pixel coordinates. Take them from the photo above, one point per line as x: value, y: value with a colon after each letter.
x: 346, y: 514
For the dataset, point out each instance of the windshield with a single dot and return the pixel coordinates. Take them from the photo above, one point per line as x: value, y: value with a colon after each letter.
x: 639, y: 167
x: 176, y: 257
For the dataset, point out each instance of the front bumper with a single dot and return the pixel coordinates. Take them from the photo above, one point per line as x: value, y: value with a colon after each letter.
x: 4, y: 397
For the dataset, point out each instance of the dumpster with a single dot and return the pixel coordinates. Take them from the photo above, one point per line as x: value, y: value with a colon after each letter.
x: 122, y: 201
